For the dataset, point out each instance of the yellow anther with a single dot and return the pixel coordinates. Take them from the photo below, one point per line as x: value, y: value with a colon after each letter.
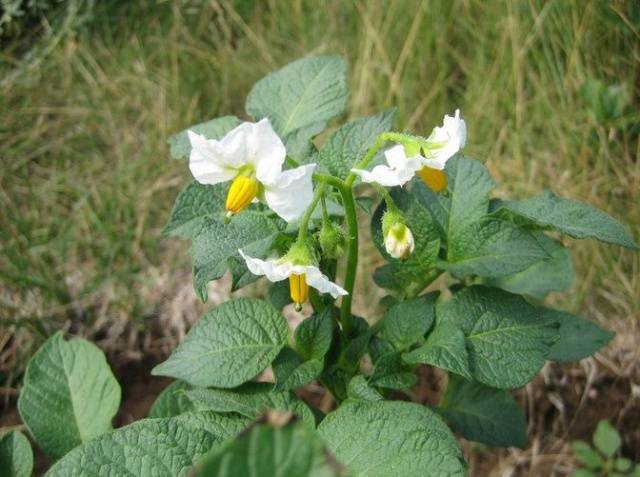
x: 299, y: 289
x: 242, y: 191
x: 435, y: 179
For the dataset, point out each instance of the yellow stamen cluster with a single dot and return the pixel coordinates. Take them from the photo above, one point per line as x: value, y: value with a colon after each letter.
x: 299, y: 289
x: 242, y: 191
x: 435, y: 179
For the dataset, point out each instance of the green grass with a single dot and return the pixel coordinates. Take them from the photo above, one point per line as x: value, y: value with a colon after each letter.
x: 86, y: 183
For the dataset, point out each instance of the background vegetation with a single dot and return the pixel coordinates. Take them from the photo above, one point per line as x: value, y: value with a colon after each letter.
x: 90, y: 92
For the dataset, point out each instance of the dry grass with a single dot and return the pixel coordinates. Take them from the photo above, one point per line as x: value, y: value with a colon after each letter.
x: 86, y: 184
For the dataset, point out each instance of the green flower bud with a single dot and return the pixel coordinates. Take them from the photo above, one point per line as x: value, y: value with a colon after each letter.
x: 332, y: 240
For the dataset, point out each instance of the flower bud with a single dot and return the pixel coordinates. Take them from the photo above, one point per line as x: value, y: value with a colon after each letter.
x: 398, y: 239
x: 332, y: 240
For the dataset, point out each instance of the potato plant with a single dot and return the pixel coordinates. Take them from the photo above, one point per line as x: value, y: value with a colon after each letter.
x: 268, y: 201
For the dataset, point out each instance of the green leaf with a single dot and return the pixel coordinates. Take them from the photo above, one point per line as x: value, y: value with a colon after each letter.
x: 622, y: 464
x: 300, y: 99
x: 291, y: 371
x: 391, y: 373
x: 217, y: 242
x: 195, y: 203
x: 493, y: 249
x: 437, y: 204
x: 229, y: 345
x: 385, y: 277
x: 69, y: 395
x: 313, y: 336
x: 606, y: 438
x: 427, y: 241
x: 407, y: 321
x: 470, y: 185
x: 278, y: 294
x: 570, y: 217
x: 381, y: 439
x: 16, y: 456
x: 378, y: 347
x: 552, y: 273
x: 507, y: 339
x: 172, y: 401
x: 578, y: 339
x: 586, y: 455
x: 359, y: 390
x: 445, y: 348
x: 293, y: 451
x: 212, y: 129
x: 151, y: 447
x: 250, y: 400
x: 483, y: 414
x: 349, y: 144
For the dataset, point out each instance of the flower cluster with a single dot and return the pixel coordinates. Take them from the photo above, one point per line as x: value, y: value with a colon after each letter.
x: 252, y: 157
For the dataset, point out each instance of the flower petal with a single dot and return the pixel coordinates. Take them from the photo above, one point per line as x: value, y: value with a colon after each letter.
x: 321, y: 282
x: 290, y: 193
x: 266, y: 151
x: 272, y: 269
x: 448, y: 140
x: 207, y: 161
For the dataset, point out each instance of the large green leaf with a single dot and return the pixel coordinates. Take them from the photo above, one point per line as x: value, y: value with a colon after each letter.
x: 172, y: 401
x: 313, y: 336
x: 507, y: 338
x: 552, y: 273
x: 493, y: 248
x: 213, y: 129
x: 570, y: 217
x: 69, y: 395
x: 408, y: 321
x: 16, y: 456
x: 349, y: 144
x: 230, y: 345
x: 445, y: 348
x: 217, y: 242
x: 579, y: 338
x: 293, y: 451
x: 427, y: 241
x: 151, y: 447
x: 250, y: 400
x: 382, y: 439
x: 300, y: 99
x: 195, y: 203
x: 484, y: 414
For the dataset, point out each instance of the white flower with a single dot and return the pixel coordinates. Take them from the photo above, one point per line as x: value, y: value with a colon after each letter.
x: 399, y: 171
x: 445, y: 141
x: 277, y: 270
x: 253, y: 155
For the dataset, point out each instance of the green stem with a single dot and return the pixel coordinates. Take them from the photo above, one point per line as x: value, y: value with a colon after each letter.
x: 388, y: 200
x: 348, y: 203
x: 352, y: 259
x: 304, y: 221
